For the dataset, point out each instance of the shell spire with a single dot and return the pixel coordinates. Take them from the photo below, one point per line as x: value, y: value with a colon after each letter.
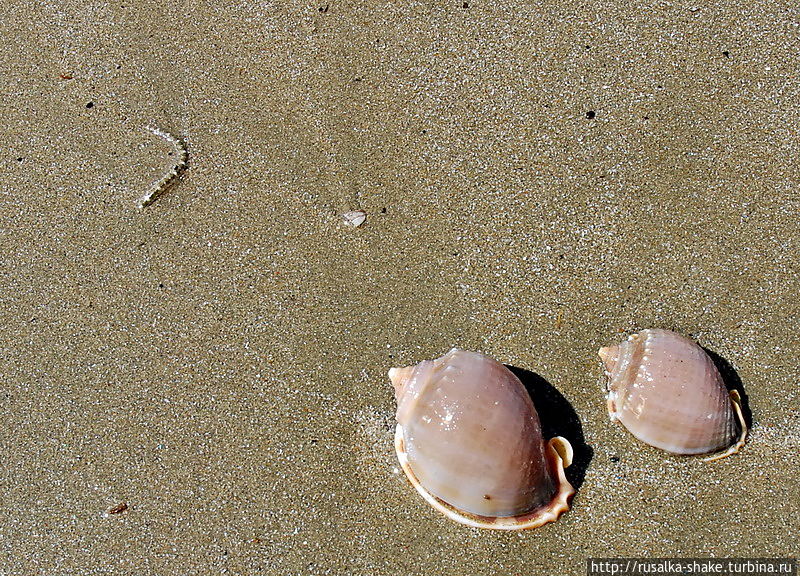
x: 399, y: 377
x: 609, y: 356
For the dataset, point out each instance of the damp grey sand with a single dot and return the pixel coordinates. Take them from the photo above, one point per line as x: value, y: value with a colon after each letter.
x: 538, y: 181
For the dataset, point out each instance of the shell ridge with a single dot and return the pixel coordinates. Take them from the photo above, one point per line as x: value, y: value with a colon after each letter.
x: 629, y: 364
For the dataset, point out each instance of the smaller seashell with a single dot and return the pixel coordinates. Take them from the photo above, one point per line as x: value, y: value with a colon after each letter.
x: 668, y: 393
x: 469, y: 440
x: 354, y: 218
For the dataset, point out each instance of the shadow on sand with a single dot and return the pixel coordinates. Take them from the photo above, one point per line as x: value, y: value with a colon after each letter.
x: 732, y: 382
x: 558, y: 418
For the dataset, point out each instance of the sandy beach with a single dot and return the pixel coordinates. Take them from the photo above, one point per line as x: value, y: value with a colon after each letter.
x: 200, y: 387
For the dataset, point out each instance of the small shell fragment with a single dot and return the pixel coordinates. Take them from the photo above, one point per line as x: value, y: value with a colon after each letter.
x: 354, y: 218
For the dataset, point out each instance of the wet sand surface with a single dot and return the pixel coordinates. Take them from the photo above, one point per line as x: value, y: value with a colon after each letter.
x: 539, y: 181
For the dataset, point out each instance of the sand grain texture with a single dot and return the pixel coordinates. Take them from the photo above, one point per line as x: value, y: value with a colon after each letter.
x: 539, y: 180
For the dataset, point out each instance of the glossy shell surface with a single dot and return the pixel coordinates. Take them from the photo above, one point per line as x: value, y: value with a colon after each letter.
x: 667, y: 392
x: 469, y: 440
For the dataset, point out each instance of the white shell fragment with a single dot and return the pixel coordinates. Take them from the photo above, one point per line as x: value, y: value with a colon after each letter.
x: 469, y: 440
x: 354, y: 218
x: 668, y: 393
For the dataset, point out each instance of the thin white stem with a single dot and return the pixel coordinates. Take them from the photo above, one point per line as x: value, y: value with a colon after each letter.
x: 169, y: 178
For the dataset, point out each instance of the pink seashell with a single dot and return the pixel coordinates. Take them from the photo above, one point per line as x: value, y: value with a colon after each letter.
x: 668, y: 393
x: 469, y: 440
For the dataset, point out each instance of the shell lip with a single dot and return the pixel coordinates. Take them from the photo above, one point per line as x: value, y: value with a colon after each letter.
x: 557, y: 450
x: 736, y: 402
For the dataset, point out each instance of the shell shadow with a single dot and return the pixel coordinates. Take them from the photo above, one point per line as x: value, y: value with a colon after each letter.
x: 558, y: 418
x: 732, y: 382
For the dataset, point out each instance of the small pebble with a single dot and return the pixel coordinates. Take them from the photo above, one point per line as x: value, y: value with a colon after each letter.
x: 119, y: 508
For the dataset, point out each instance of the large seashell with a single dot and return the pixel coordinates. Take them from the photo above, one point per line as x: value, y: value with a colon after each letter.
x: 469, y: 440
x: 667, y: 391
